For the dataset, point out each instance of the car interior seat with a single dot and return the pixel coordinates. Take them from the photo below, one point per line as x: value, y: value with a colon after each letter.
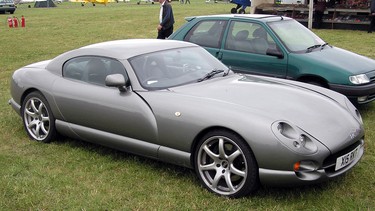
x: 259, y: 42
x: 96, y: 71
x: 241, y: 41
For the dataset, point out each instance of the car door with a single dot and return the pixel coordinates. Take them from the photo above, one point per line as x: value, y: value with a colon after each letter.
x: 83, y: 99
x: 246, y: 49
x: 208, y: 34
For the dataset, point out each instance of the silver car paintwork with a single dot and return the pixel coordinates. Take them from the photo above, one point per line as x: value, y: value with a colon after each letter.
x: 165, y: 124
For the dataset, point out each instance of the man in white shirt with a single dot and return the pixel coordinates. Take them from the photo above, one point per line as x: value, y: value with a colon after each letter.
x: 166, y: 20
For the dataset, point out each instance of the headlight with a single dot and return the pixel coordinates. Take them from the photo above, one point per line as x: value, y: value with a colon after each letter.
x: 359, y: 79
x: 294, y: 138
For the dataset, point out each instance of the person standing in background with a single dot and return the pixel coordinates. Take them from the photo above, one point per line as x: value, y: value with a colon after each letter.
x: 166, y: 20
x: 320, y: 7
x: 372, y: 16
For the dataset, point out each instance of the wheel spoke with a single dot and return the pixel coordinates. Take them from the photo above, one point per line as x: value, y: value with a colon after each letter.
x: 228, y: 181
x: 236, y: 171
x: 30, y: 113
x: 210, y: 153
x: 207, y: 167
x: 234, y: 155
x: 222, y: 149
x: 33, y: 106
x: 45, y: 119
x: 32, y: 124
x: 40, y: 108
x: 216, y: 180
x: 44, y: 130
x: 37, y: 131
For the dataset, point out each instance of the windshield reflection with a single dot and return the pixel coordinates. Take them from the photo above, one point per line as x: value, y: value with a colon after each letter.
x: 296, y: 37
x: 170, y: 68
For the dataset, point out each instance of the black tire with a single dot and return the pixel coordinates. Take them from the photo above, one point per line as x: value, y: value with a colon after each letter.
x: 37, y: 117
x: 233, y: 10
x: 241, y: 11
x: 226, y: 165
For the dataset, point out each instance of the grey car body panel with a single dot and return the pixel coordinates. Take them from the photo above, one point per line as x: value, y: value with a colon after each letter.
x: 165, y: 124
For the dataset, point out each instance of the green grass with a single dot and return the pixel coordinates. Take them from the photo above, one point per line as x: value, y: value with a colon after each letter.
x: 73, y: 175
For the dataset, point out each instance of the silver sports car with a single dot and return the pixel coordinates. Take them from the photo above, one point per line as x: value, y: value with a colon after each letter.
x: 172, y: 101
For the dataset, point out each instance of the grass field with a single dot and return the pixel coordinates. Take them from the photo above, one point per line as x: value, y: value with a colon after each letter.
x: 73, y: 175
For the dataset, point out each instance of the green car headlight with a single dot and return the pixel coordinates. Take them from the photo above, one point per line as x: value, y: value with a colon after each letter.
x: 359, y: 79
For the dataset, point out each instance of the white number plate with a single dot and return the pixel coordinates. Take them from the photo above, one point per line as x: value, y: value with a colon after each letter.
x: 346, y: 159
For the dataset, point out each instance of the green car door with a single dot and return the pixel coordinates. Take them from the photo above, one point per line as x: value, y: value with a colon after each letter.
x: 249, y: 48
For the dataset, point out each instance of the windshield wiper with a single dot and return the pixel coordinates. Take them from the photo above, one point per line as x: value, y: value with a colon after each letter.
x: 227, y: 72
x: 309, y: 49
x: 210, y: 74
x: 324, y: 45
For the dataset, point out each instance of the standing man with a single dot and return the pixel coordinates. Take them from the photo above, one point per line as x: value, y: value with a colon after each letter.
x: 166, y: 20
x: 320, y: 7
x: 372, y: 16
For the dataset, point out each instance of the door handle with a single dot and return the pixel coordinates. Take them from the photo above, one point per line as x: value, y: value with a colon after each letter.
x: 219, y: 55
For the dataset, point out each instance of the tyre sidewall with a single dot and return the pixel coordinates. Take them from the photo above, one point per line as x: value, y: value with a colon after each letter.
x: 52, y: 129
x: 252, y: 180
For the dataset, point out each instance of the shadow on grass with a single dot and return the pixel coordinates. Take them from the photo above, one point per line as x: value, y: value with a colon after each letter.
x: 174, y: 171
x: 118, y: 155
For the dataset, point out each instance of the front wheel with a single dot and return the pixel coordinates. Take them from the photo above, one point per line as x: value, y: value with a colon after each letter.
x: 37, y: 117
x: 226, y: 165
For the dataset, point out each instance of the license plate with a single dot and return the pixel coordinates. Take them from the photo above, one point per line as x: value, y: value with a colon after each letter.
x: 346, y: 159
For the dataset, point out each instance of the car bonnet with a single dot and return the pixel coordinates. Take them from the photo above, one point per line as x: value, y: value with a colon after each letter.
x: 319, y: 115
x: 337, y: 59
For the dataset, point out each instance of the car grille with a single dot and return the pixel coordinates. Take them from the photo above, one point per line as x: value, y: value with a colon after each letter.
x: 371, y: 76
x: 330, y: 162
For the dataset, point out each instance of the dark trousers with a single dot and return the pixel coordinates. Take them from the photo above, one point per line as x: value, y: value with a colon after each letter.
x: 372, y: 24
x: 165, y: 33
x: 318, y: 19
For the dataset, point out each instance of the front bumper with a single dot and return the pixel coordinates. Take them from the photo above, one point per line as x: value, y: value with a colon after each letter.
x: 279, y: 178
x: 361, y: 94
x: 7, y: 8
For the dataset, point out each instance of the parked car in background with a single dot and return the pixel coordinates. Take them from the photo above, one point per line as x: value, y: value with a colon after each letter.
x: 7, y: 6
x: 174, y: 102
x: 281, y: 47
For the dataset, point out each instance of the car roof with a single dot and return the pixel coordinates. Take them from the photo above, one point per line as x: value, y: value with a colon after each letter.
x: 258, y: 17
x: 118, y: 49
x: 124, y: 49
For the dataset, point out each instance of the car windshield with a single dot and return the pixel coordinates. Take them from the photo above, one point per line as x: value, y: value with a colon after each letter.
x: 175, y: 67
x: 296, y: 37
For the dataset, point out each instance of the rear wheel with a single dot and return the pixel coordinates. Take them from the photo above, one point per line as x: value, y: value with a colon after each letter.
x: 37, y: 117
x: 226, y: 165
x: 241, y: 11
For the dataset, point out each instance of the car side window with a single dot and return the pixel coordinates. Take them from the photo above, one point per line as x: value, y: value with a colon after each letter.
x: 248, y: 37
x: 207, y: 33
x: 92, y: 69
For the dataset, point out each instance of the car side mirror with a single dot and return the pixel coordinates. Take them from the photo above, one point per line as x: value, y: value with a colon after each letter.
x: 275, y: 52
x: 117, y: 80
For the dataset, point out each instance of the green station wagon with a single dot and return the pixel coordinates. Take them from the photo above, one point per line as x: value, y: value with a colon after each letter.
x: 281, y: 47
